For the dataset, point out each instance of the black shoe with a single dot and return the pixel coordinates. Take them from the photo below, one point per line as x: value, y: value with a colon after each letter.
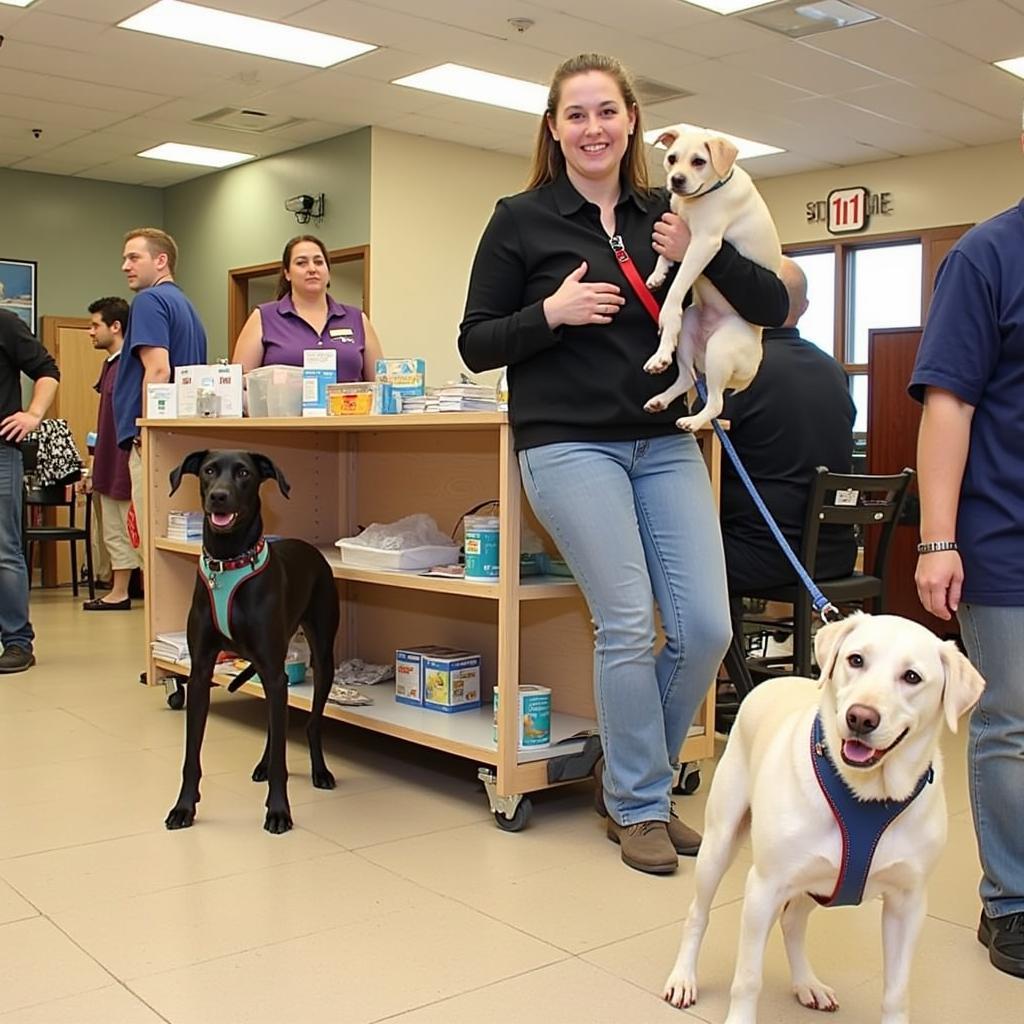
x: 99, y: 605
x: 16, y: 659
x: 1004, y: 937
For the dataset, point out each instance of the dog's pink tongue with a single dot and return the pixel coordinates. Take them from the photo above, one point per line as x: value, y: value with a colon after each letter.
x: 854, y: 750
x: 221, y: 518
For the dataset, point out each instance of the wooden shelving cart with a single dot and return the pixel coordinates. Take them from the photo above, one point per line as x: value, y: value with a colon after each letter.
x: 348, y: 471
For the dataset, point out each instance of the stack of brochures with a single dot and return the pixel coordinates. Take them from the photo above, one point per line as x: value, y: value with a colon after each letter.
x: 171, y: 646
x: 184, y: 525
x: 467, y: 398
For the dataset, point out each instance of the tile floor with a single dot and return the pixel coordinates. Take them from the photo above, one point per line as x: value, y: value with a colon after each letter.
x: 395, y: 898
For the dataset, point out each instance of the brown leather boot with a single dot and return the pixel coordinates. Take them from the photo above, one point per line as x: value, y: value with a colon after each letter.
x: 686, y: 840
x: 645, y: 846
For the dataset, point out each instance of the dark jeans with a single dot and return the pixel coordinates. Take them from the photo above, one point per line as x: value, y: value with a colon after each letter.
x: 15, y: 629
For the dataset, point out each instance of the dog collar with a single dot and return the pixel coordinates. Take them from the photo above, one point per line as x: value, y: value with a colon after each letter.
x: 861, y: 822
x: 223, y: 577
x: 717, y: 185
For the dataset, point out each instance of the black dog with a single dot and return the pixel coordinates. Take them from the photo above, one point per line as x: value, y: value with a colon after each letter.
x: 289, y: 584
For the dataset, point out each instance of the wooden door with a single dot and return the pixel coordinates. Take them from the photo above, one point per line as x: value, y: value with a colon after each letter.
x: 893, y: 421
x: 67, y: 339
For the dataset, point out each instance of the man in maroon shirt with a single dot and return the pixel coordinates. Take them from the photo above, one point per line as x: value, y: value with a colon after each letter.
x: 108, y: 478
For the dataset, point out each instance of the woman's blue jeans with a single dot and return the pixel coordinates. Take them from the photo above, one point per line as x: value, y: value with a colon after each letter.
x: 995, y: 754
x: 15, y: 629
x: 636, y: 519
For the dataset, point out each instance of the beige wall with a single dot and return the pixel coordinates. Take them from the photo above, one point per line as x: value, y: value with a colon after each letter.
x: 429, y: 204
x: 961, y: 186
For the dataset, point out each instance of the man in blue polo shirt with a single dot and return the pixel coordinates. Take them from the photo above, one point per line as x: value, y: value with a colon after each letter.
x: 164, y: 331
x: 970, y: 462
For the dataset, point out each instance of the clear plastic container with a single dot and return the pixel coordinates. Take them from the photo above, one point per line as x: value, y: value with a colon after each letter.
x: 274, y: 390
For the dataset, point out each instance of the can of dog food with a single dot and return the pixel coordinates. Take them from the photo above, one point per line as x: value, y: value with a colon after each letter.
x: 534, y: 719
x: 482, y: 548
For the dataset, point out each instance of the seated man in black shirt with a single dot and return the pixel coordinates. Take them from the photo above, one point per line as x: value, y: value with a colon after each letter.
x: 795, y: 416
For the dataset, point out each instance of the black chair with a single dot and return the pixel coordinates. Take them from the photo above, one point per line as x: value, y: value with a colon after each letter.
x: 835, y: 498
x: 57, y: 496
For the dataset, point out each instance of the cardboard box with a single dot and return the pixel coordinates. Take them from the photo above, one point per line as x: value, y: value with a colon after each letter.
x: 409, y: 678
x: 451, y: 681
x: 319, y: 368
x: 225, y: 380
x: 407, y: 377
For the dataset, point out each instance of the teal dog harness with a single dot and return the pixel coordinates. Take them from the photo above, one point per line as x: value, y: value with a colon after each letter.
x: 861, y: 822
x: 224, y: 577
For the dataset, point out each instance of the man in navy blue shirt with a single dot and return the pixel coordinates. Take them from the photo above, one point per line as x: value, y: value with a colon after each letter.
x: 164, y: 331
x: 970, y: 462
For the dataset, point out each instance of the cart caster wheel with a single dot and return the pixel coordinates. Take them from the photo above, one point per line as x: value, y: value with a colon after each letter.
x: 519, y: 818
x: 176, y: 698
x: 689, y: 781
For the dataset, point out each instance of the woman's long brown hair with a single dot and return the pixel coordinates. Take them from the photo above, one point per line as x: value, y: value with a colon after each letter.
x: 548, y: 159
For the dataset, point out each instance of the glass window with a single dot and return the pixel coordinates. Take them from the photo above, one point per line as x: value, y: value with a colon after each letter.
x: 818, y: 323
x: 884, y: 291
x: 859, y: 390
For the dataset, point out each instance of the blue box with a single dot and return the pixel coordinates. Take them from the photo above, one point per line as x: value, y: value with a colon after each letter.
x: 319, y: 368
x: 407, y: 377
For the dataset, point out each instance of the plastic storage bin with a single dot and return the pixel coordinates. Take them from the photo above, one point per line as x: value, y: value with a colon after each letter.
x: 275, y: 390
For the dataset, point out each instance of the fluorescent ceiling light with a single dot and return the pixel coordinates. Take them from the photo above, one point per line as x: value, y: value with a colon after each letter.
x: 797, y: 19
x: 1015, y: 65
x: 480, y: 86
x: 195, y: 24
x: 748, y: 149
x: 728, y: 6
x: 179, y: 153
x: 17, y: 3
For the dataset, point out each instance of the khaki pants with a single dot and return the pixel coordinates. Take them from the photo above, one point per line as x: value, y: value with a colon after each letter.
x: 138, y: 494
x: 112, y: 526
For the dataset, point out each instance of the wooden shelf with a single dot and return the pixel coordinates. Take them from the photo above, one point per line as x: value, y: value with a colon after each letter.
x: 532, y: 588
x: 403, y: 421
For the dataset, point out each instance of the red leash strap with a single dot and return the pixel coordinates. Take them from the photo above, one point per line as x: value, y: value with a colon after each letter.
x: 633, y: 276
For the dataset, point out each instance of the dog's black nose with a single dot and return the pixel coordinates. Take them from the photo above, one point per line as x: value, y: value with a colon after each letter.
x: 861, y: 719
x: 678, y: 180
x: 218, y: 497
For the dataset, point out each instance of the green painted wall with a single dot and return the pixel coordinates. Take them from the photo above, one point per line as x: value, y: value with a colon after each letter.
x: 236, y: 217
x: 72, y: 228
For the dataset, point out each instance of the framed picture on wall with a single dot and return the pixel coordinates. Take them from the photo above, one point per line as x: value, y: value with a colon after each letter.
x: 18, y: 290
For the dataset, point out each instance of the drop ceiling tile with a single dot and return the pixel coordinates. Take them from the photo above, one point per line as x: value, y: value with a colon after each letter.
x: 719, y: 37
x: 892, y: 50
x: 19, y: 84
x: 45, y: 29
x: 987, y: 29
x: 929, y: 111
x: 799, y: 65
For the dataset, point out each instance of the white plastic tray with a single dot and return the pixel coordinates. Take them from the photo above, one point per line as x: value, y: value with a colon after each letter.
x: 409, y: 558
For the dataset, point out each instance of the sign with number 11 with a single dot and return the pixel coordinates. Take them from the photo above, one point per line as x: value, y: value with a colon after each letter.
x: 847, y: 210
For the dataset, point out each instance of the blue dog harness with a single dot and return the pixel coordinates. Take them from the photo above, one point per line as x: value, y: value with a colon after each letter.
x: 861, y: 822
x: 223, y: 578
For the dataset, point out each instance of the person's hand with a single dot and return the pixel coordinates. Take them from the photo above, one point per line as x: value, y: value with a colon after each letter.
x: 84, y: 486
x: 671, y: 237
x: 577, y: 302
x: 939, y: 578
x: 17, y: 425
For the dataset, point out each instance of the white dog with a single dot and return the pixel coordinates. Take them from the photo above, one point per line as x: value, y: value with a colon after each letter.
x: 887, y: 685
x: 719, y: 202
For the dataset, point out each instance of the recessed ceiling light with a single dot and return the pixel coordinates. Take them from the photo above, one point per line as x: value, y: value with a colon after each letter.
x: 17, y: 3
x: 728, y: 6
x: 748, y: 149
x: 177, y: 20
x: 1015, y: 65
x: 480, y: 86
x: 179, y: 153
x: 797, y: 18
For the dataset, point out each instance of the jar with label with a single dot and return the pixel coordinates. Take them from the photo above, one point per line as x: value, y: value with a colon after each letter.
x: 482, y: 549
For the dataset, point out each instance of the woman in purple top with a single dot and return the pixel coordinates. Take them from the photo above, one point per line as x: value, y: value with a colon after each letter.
x: 305, y: 316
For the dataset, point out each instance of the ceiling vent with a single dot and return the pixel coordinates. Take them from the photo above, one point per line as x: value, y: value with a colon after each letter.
x: 797, y: 18
x: 243, y: 119
x: 649, y: 92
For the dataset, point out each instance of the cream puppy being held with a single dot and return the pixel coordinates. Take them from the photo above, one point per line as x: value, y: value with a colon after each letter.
x: 719, y: 203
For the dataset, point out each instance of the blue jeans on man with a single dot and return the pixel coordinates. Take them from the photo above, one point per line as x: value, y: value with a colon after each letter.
x: 15, y: 629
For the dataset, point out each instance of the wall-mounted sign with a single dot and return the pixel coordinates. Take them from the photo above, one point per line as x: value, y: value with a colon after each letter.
x: 847, y: 210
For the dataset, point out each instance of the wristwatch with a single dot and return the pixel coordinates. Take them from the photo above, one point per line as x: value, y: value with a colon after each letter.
x: 933, y: 546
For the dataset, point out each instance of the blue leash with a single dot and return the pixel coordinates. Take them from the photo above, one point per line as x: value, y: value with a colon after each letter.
x: 822, y: 605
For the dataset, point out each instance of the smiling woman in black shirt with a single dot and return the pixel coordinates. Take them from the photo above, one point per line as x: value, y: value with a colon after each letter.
x: 623, y: 494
